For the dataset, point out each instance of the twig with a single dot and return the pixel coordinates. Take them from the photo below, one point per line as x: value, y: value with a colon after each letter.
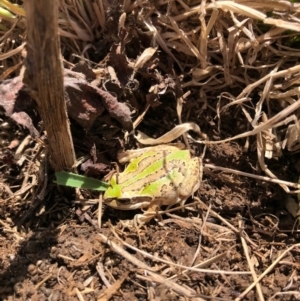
x: 268, y: 270
x: 262, y: 178
x: 246, y: 251
x: 137, y: 262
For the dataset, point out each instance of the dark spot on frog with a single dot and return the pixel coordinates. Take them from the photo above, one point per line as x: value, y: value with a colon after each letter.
x: 167, y: 188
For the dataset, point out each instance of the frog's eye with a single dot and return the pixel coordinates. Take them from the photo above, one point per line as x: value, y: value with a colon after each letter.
x: 133, y: 202
x: 140, y: 200
x: 122, y: 202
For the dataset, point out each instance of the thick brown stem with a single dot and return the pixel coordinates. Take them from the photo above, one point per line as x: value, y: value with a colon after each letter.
x: 44, y: 76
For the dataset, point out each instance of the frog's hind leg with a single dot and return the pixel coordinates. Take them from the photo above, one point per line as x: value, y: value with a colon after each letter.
x: 193, y: 178
x: 152, y: 211
x: 191, y: 183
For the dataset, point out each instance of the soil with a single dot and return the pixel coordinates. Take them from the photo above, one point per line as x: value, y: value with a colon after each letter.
x: 52, y: 245
x: 52, y: 249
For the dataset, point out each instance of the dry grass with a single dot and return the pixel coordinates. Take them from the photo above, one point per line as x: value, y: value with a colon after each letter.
x: 244, y: 54
x: 229, y: 50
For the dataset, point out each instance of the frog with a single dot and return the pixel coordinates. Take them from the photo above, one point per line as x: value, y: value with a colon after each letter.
x: 155, y: 176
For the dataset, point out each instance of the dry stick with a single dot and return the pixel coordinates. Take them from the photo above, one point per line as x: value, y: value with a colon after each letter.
x: 268, y: 270
x: 8, y: 71
x: 264, y: 126
x: 261, y: 39
x: 278, y: 74
x: 245, y: 247
x: 200, y: 236
x: 8, y: 34
x: 141, y: 116
x: 118, y: 249
x: 187, y: 292
x: 38, y: 285
x: 262, y: 178
x: 203, y: 264
x: 235, y: 230
x: 179, y: 105
x: 100, y: 270
x: 12, y: 52
x: 44, y: 76
x: 22, y: 146
x: 78, y: 294
x: 224, y: 5
x: 100, y: 203
x: 160, y: 41
x: 107, y: 293
x: 296, y: 293
x: 142, y: 265
x: 155, y: 277
x: 262, y: 164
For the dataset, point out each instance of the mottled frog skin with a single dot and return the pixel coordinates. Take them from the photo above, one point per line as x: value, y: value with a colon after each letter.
x: 158, y: 175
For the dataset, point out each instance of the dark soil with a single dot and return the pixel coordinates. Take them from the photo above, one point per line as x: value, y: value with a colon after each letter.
x: 51, y: 248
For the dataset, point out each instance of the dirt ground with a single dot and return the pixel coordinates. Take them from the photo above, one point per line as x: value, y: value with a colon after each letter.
x: 234, y: 230
x: 51, y: 248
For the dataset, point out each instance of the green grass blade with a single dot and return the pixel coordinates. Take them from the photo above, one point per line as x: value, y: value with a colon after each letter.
x: 78, y: 181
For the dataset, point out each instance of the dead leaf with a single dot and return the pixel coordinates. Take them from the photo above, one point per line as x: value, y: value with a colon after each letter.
x: 145, y: 57
x: 94, y: 169
x: 94, y: 98
x: 176, y: 132
x: 120, y: 64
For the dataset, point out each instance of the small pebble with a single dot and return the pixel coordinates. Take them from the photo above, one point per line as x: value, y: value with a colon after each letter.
x: 31, y: 269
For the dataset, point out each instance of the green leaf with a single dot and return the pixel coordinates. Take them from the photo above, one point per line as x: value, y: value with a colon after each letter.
x: 73, y: 180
